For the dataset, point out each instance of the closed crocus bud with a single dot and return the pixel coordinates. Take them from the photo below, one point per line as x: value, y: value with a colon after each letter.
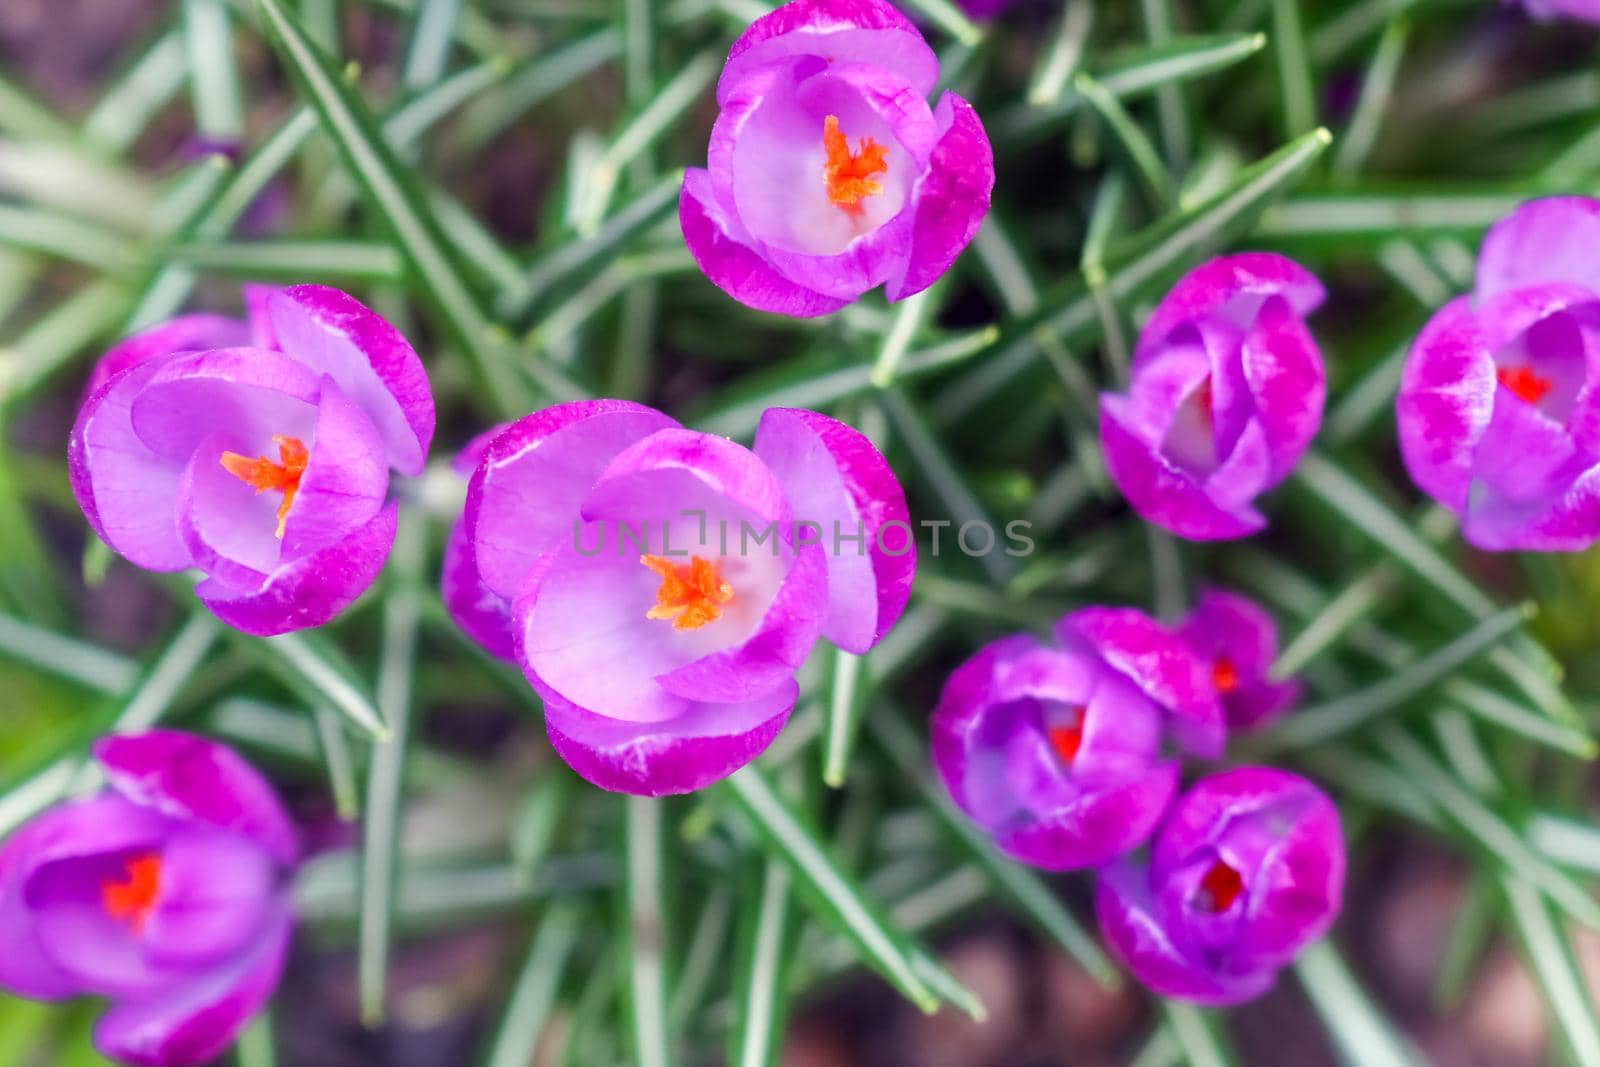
x: 666, y: 584
x: 1226, y: 393
x: 828, y: 174
x: 1057, y: 751
x: 166, y: 894
x: 1246, y: 871
x: 1499, y: 410
x: 1239, y: 640
x: 258, y: 453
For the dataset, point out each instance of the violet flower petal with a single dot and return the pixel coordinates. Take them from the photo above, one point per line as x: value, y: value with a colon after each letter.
x: 951, y: 200
x: 844, y: 31
x: 1547, y: 240
x: 186, y: 333
x: 1445, y: 402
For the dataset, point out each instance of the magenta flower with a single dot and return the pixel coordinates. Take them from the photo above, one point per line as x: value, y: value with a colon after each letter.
x: 828, y: 174
x: 166, y: 893
x: 1246, y: 871
x: 482, y: 614
x: 1227, y: 390
x: 1239, y: 640
x: 1057, y: 751
x: 1586, y: 10
x: 1499, y: 409
x: 258, y: 453
x: 665, y: 585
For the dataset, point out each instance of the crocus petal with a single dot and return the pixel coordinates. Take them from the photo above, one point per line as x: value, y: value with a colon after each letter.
x: 1097, y: 826
x: 726, y: 254
x: 1446, y: 399
x: 249, y: 393
x: 194, y: 779
x: 345, y: 479
x: 216, y: 890
x: 951, y: 200
x: 186, y: 333
x: 842, y: 31
x: 125, y: 489
x: 310, y: 590
x: 477, y: 609
x: 1160, y: 664
x: 1236, y: 634
x: 1548, y: 240
x: 1127, y: 916
x: 524, y: 497
x: 1160, y: 492
x: 1234, y: 286
x: 193, y: 1022
x: 705, y: 744
x: 25, y: 969
x: 1587, y: 10
x: 837, y: 479
x: 1284, y: 370
x: 335, y: 334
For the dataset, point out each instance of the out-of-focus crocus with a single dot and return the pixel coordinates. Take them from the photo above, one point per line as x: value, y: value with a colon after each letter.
x: 1227, y: 391
x: 257, y: 452
x: 828, y: 174
x: 1239, y: 640
x: 1057, y: 751
x: 1586, y: 10
x: 166, y: 893
x: 983, y: 10
x: 1499, y: 407
x: 1246, y: 871
x: 666, y: 584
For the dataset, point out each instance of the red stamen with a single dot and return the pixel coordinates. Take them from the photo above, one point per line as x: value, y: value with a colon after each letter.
x: 1524, y: 383
x: 262, y: 474
x: 850, y: 174
x: 1224, y: 675
x: 1066, y: 738
x: 133, y: 899
x: 1221, y: 886
x: 691, y: 594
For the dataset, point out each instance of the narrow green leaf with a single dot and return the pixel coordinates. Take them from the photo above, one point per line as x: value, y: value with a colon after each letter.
x: 761, y: 1003
x: 1199, y: 1035
x: 380, y: 840
x: 126, y: 109
x: 1060, y: 59
x: 77, y: 661
x: 1364, y: 1037
x: 1171, y: 108
x: 533, y: 830
x: 1296, y: 80
x: 1377, y: 87
x: 1377, y: 216
x: 834, y: 895
x: 27, y: 119
x: 528, y: 1010
x: 303, y: 664
x: 292, y: 260
x: 706, y: 956
x: 1472, y: 929
x: 430, y: 43
x: 645, y: 935
x: 1548, y: 951
x: 218, y: 108
x: 341, y: 764
x: 532, y: 84
x: 846, y: 699
x: 1146, y: 161
x: 949, y: 18
x: 176, y: 665
x: 1573, y: 843
x: 256, y: 1047
x: 1491, y: 707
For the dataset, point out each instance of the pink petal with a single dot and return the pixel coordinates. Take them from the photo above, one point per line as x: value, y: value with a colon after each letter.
x: 951, y: 200
x: 1235, y: 286
x: 186, y: 333
x: 1097, y: 825
x: 1284, y: 370
x: 840, y: 31
x: 1547, y: 240
x: 1446, y: 399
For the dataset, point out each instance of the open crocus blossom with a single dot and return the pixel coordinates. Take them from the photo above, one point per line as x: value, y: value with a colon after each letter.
x: 258, y: 452
x: 1057, y: 751
x: 1499, y: 407
x: 1246, y: 871
x: 166, y: 893
x: 665, y: 584
x: 828, y: 174
x: 1239, y: 640
x: 1226, y: 393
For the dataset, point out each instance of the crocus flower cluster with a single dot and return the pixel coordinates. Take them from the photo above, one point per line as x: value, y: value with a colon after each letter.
x: 166, y: 893
x: 1499, y: 406
x: 1226, y: 393
x: 1065, y: 753
x: 257, y: 452
x: 660, y: 587
x: 828, y: 174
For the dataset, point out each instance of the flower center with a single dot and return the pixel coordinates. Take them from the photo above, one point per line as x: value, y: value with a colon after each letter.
x: 1221, y: 886
x: 132, y: 899
x: 1066, y: 738
x: 691, y: 594
x: 1224, y: 675
x: 1524, y: 383
x: 850, y: 174
x: 263, y: 474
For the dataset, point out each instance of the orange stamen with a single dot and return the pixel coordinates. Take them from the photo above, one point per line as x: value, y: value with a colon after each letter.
x: 1067, y: 738
x: 691, y: 594
x: 133, y: 899
x: 1221, y: 886
x: 1202, y: 395
x: 1525, y: 384
x: 262, y: 474
x: 1224, y: 675
x: 849, y: 174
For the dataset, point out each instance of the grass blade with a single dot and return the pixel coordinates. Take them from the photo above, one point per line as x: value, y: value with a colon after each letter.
x: 516, y: 1042
x: 651, y: 1037
x: 761, y: 1001
x: 1364, y: 1037
x: 1548, y: 952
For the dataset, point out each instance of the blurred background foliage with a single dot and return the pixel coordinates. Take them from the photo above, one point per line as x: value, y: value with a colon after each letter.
x: 499, y: 177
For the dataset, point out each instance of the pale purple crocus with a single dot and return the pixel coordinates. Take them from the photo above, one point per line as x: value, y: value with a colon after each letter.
x: 1499, y: 406
x: 1583, y: 10
x: 828, y: 174
x: 166, y: 893
x: 1238, y: 640
x: 1057, y: 751
x: 1226, y: 393
x: 1245, y: 872
x: 257, y: 452
x: 665, y: 585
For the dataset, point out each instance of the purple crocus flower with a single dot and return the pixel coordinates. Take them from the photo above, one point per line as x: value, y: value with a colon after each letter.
x: 1057, y: 751
x: 1246, y: 871
x: 1499, y: 407
x: 828, y: 174
x: 1586, y: 10
x: 1239, y: 641
x: 1227, y: 390
x: 166, y: 893
x: 482, y: 614
x: 257, y: 452
x: 665, y: 584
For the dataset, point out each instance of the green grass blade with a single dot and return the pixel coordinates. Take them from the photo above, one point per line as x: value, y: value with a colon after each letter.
x: 431, y: 38
x: 1147, y: 162
x: 294, y: 261
x: 77, y: 661
x: 846, y: 700
x: 340, y: 762
x: 645, y: 935
x: 1296, y: 80
x: 1199, y: 1035
x: 126, y: 109
x: 303, y: 663
x: 1377, y: 89
x: 1548, y: 952
x: 1363, y: 1036
x: 214, y: 78
x: 1060, y: 59
x: 529, y: 1008
x: 761, y: 1000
